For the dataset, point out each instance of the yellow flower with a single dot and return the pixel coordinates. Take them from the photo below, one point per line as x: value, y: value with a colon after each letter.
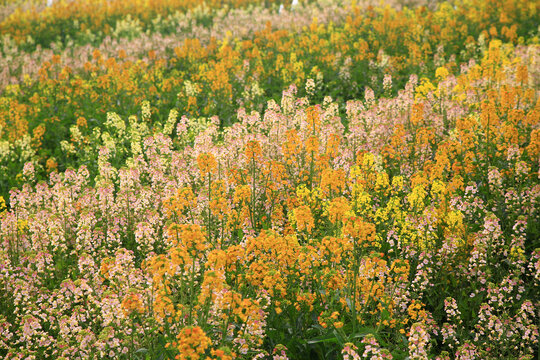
x: 424, y: 88
x: 2, y: 205
x: 441, y: 73
x: 382, y: 182
x: 438, y: 188
x: 397, y: 183
x: 367, y: 161
x: 517, y: 253
x: 416, y: 197
x: 454, y: 219
x: 22, y: 225
x: 145, y: 110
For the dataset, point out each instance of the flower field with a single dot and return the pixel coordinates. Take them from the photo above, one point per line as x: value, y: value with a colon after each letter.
x: 245, y: 179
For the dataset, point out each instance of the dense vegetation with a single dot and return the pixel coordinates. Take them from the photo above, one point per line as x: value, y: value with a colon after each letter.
x: 241, y: 179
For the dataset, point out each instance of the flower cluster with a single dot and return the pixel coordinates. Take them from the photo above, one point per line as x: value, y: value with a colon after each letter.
x: 388, y: 223
x: 62, y: 20
x: 210, y: 76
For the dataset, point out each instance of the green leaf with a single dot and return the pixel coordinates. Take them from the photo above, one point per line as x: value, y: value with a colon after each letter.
x: 324, y: 339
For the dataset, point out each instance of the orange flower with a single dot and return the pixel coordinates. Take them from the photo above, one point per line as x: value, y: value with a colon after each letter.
x: 207, y: 163
x: 312, y: 144
x: 337, y: 209
x: 192, y: 343
x: 332, y: 180
x: 303, y: 218
x: 81, y: 122
x: 132, y: 304
x: 253, y: 150
x: 359, y: 229
x: 188, y: 237
x: 51, y: 164
x: 313, y: 119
